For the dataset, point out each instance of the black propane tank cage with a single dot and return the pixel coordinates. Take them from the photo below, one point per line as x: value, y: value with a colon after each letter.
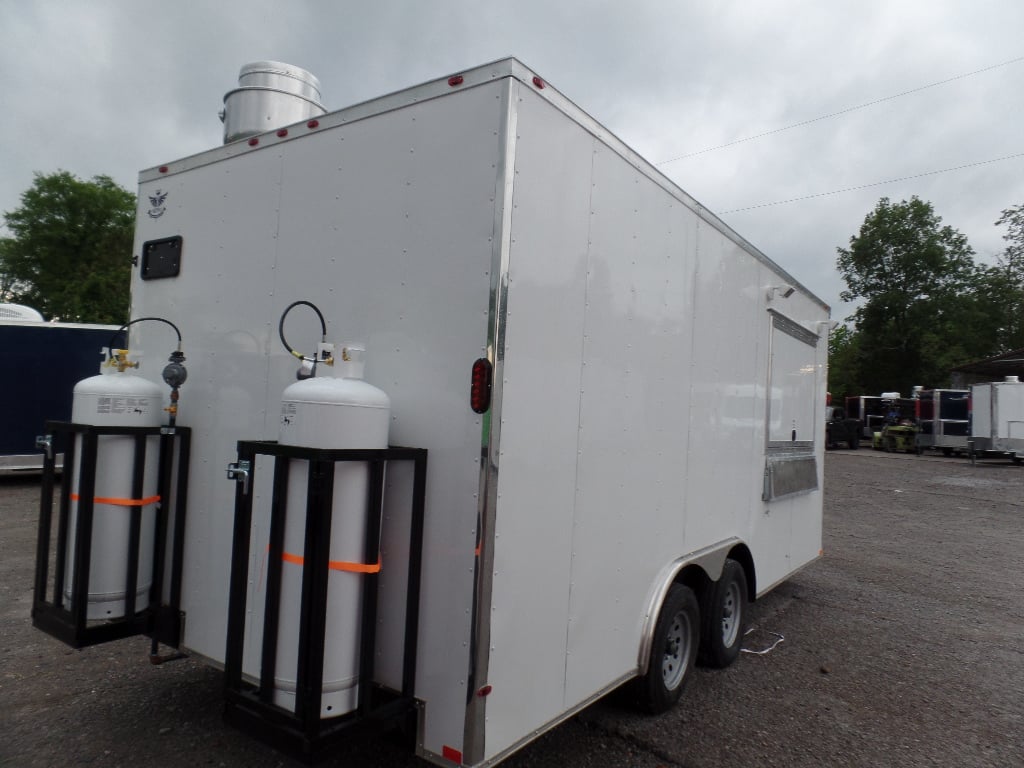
x: 250, y: 707
x: 67, y: 620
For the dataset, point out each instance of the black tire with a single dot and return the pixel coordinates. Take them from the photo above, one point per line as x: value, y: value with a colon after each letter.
x: 854, y: 443
x: 724, y: 617
x: 673, y: 651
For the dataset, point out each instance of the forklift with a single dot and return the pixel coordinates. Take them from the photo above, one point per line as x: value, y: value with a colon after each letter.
x: 899, y: 431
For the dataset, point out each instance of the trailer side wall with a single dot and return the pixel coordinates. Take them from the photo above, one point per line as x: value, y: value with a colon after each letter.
x: 635, y: 419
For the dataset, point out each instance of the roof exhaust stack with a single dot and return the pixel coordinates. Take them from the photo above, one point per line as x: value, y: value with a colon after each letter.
x: 270, y: 94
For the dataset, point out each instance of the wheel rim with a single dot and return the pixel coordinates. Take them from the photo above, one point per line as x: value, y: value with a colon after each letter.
x: 677, y: 651
x: 731, y: 617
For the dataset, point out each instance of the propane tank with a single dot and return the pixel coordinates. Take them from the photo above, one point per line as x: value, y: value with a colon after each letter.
x: 116, y: 398
x: 331, y: 413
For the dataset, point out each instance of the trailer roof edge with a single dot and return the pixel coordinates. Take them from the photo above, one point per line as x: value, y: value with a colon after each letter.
x: 509, y: 67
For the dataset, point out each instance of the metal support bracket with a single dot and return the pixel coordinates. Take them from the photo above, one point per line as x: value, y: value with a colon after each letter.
x: 239, y: 472
x: 45, y: 443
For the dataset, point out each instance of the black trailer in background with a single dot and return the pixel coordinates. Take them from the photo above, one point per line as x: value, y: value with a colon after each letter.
x: 874, y: 410
x: 42, y: 364
x: 943, y: 420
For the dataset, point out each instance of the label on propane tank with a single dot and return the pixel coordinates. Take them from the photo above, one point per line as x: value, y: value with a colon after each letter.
x: 122, y: 405
x: 288, y: 411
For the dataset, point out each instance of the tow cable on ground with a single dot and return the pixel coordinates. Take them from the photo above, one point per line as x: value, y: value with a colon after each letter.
x: 769, y: 649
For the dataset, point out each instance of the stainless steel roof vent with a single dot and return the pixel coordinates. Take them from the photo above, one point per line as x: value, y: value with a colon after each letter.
x: 270, y: 94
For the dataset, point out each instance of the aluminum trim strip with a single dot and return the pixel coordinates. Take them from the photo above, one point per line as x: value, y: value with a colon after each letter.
x: 788, y: 476
x: 782, y: 447
x: 793, y: 328
x: 474, y: 734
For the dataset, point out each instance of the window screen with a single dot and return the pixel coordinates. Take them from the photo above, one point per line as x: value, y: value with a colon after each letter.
x: 792, y: 385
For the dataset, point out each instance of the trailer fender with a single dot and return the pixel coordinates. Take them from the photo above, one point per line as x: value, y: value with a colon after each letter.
x: 703, y: 566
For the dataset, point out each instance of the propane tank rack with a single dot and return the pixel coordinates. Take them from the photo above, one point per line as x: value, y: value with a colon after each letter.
x: 65, y: 615
x: 302, y: 733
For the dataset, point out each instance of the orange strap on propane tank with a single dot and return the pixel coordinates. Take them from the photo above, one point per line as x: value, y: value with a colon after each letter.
x: 120, y: 502
x: 335, y: 565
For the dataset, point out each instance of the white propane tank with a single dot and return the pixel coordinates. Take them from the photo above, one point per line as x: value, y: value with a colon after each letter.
x: 125, y: 400
x: 330, y: 413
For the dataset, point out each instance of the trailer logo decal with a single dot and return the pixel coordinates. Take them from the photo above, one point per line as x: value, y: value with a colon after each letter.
x: 157, y: 201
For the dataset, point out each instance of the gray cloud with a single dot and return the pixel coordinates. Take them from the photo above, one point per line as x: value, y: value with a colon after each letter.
x: 113, y: 87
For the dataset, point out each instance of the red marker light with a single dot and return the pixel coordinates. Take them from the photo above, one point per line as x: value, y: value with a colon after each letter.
x: 455, y: 80
x: 162, y: 169
x: 485, y: 691
x: 538, y: 82
x: 283, y: 132
x: 480, y: 389
x: 253, y: 141
x: 313, y: 124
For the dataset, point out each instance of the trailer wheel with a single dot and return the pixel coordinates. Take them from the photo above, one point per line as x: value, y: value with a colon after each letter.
x: 673, y: 651
x: 724, y: 616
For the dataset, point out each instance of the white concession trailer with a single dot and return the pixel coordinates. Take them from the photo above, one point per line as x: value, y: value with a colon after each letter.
x: 621, y: 399
x: 997, y: 418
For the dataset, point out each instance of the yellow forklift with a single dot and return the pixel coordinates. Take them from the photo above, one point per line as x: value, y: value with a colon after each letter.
x: 899, y: 430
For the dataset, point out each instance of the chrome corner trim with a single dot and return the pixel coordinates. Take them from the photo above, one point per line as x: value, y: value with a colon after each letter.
x: 474, y: 735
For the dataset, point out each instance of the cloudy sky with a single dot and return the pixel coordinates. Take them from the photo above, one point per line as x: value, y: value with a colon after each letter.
x: 817, y: 102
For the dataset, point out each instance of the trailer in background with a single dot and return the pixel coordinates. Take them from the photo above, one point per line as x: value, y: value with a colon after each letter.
x: 42, y: 362
x: 942, y: 420
x: 997, y: 419
x: 840, y: 429
x: 874, y: 411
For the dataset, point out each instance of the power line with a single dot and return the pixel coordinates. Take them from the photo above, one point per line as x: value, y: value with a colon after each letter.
x: 842, y: 111
x: 875, y: 184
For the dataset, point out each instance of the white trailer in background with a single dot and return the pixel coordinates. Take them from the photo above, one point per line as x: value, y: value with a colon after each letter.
x: 653, y: 445
x: 942, y: 417
x: 997, y: 418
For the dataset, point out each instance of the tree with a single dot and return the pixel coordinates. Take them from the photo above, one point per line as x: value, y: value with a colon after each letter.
x: 1004, y: 283
x: 916, y: 280
x: 844, y: 364
x: 70, y: 254
x: 6, y: 281
x: 1013, y: 257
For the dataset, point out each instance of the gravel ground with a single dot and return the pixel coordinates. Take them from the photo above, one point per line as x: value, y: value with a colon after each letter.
x: 904, y: 646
